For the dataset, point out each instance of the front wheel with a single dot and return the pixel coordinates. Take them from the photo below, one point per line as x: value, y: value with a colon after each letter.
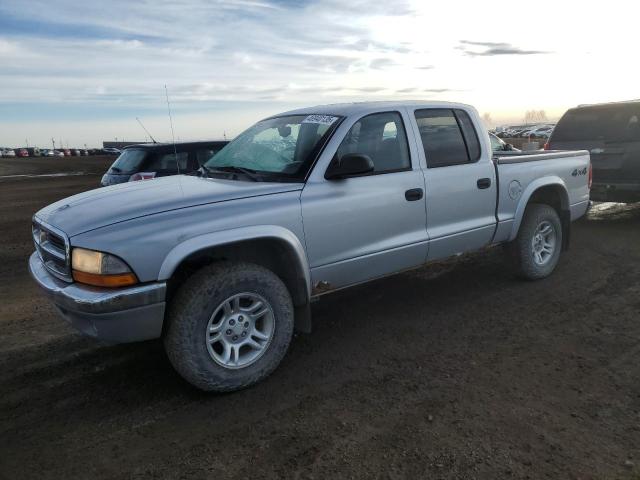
x: 229, y: 326
x: 536, y: 249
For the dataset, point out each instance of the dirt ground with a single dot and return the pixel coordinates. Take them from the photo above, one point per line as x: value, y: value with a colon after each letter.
x: 453, y: 371
x: 97, y: 164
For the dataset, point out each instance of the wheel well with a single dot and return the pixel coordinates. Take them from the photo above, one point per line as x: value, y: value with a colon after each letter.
x: 555, y: 196
x: 270, y: 253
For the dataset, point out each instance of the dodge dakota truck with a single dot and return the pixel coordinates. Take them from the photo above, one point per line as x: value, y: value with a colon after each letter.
x: 223, y: 265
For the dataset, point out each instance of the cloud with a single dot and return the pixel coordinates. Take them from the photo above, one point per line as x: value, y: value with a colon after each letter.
x: 204, y: 50
x: 419, y: 90
x: 382, y: 63
x: 368, y: 89
x: 487, y: 49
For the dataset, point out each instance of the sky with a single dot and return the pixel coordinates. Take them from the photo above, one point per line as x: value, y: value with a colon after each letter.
x: 81, y: 72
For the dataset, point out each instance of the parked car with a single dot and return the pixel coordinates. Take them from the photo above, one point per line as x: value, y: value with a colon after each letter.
x: 151, y: 160
x: 111, y: 151
x: 44, y: 152
x: 33, y: 151
x: 223, y: 266
x: 611, y: 132
x: 8, y: 152
x: 66, y: 152
x: 84, y: 152
x: 498, y: 145
x: 58, y: 153
x: 21, y: 152
x: 538, y: 132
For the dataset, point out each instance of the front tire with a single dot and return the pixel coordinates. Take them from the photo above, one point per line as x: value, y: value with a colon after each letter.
x: 536, y: 250
x: 229, y: 326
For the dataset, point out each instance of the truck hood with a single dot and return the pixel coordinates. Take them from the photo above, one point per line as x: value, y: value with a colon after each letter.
x: 106, y: 206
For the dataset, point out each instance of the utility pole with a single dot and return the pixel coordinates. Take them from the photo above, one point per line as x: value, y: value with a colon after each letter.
x: 53, y: 142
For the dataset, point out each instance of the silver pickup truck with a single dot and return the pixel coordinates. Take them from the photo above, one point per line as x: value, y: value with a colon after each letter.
x: 223, y: 265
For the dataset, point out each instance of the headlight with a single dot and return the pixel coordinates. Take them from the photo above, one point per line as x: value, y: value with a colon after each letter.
x: 100, y: 269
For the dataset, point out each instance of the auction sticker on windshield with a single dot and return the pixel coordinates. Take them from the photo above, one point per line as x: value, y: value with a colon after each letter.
x: 321, y: 119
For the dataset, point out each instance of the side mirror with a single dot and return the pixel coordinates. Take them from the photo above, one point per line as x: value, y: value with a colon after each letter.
x: 349, y: 165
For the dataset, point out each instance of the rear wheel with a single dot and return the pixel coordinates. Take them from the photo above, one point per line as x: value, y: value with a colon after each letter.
x: 229, y: 326
x: 536, y: 249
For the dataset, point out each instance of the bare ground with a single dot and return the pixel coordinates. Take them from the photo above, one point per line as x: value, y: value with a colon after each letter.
x: 453, y: 371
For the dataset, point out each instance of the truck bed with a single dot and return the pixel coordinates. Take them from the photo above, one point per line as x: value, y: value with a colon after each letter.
x: 519, y: 174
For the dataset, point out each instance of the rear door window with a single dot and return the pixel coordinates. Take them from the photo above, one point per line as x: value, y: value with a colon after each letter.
x: 443, y: 140
x: 166, y: 162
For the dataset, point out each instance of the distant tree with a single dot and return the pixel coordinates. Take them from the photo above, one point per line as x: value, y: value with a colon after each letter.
x: 535, y: 116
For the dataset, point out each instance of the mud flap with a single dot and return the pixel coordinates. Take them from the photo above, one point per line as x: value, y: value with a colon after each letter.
x: 303, y: 318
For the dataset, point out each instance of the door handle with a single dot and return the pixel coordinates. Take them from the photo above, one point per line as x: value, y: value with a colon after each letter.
x: 484, y: 183
x: 413, y: 194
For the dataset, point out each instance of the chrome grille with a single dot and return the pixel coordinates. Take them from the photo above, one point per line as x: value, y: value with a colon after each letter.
x: 53, y: 247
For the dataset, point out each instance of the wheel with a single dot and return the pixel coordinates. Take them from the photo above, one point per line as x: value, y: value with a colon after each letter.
x: 229, y: 326
x: 536, y: 249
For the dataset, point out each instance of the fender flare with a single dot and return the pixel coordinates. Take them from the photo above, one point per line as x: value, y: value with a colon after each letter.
x: 225, y: 237
x: 552, y: 180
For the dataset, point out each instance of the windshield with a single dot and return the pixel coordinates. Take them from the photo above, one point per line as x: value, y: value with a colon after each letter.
x: 281, y: 146
x: 129, y: 161
x: 611, y: 123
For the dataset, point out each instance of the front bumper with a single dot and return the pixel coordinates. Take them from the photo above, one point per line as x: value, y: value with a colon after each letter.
x: 114, y: 315
x: 615, y: 192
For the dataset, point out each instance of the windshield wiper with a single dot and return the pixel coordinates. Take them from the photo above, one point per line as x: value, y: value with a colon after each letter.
x: 251, y: 174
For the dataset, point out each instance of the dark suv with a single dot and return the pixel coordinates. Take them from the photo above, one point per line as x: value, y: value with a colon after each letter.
x: 150, y: 160
x: 611, y: 132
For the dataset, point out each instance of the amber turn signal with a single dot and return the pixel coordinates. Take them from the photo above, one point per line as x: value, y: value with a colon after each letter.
x: 111, y: 281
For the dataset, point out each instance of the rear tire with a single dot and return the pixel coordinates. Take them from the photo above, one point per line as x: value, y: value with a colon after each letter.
x: 536, y: 250
x: 229, y: 326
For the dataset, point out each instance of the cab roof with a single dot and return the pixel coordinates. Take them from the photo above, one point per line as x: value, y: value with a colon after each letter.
x: 359, y: 108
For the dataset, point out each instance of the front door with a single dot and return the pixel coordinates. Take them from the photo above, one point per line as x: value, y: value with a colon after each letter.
x: 367, y: 226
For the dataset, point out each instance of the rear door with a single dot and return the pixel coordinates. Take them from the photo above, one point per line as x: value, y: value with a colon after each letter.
x: 460, y: 182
